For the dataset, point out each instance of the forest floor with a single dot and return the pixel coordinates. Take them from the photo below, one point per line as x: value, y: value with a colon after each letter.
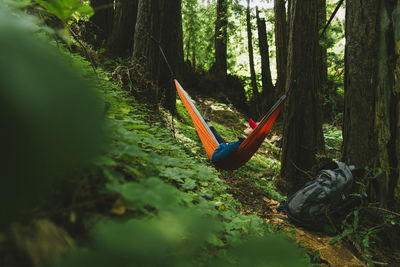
x: 144, y: 154
x: 258, y: 201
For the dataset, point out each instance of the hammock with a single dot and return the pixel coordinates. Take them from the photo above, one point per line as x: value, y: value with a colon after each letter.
x: 246, y: 149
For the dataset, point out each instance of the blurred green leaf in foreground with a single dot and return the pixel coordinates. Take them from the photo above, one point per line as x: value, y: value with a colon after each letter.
x: 50, y: 117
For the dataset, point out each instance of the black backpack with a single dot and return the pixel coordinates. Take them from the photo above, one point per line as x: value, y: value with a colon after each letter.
x: 322, y: 201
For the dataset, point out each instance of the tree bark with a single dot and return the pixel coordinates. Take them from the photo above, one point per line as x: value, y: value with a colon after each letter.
x: 323, y: 51
x: 103, y: 19
x: 121, y: 41
x: 221, y: 37
x: 359, y: 135
x: 267, y: 93
x: 394, y: 145
x: 281, y: 45
x: 303, y: 127
x: 162, y: 20
x: 145, y: 50
x: 172, y: 44
x: 255, y: 97
x: 372, y: 93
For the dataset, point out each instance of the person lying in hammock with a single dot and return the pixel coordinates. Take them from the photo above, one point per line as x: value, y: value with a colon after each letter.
x: 226, y: 148
x: 252, y: 126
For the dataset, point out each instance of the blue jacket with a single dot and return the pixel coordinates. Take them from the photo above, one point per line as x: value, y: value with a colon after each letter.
x: 224, y: 150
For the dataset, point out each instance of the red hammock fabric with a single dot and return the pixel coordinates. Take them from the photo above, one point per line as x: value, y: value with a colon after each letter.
x: 247, y: 148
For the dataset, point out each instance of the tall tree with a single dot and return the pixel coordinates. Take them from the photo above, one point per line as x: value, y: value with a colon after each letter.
x: 359, y: 136
x: 159, y: 23
x: 322, y: 48
x: 221, y: 37
x: 255, y: 97
x: 267, y: 93
x: 281, y: 44
x: 370, y: 132
x: 302, y: 138
x: 145, y: 49
x: 102, y: 18
x: 172, y: 44
x: 122, y: 36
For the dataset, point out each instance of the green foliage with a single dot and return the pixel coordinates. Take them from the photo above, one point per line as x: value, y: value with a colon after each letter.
x: 334, y: 41
x: 175, y: 239
x: 366, y: 226
x: 198, y: 26
x: 51, y: 118
x: 361, y: 234
x: 196, y: 224
x: 175, y: 210
x: 272, y: 250
x: 333, y: 138
x: 198, y: 37
x: 66, y: 9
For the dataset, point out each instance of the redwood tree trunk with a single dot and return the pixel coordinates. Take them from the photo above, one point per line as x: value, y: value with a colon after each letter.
x: 359, y: 145
x: 323, y: 51
x: 281, y: 44
x: 172, y: 44
x: 255, y: 97
x: 103, y: 19
x: 162, y: 20
x: 372, y: 92
x: 221, y: 37
x: 145, y: 50
x: 267, y: 93
x: 121, y: 41
x: 302, y: 138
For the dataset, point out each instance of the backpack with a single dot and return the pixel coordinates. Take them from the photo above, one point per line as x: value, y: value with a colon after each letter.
x: 324, y: 200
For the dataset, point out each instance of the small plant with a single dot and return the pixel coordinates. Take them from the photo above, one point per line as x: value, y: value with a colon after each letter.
x: 66, y: 9
x: 333, y: 138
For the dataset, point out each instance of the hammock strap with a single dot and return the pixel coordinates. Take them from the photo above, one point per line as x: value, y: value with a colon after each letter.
x: 207, y: 138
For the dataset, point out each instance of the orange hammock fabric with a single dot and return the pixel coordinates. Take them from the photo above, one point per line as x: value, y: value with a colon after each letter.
x: 246, y: 149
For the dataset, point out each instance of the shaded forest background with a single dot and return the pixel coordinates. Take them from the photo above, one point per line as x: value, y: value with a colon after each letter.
x: 211, y: 52
x: 117, y: 154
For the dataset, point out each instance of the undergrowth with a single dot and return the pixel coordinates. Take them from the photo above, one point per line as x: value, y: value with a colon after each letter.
x: 151, y: 197
x: 147, y: 198
x: 169, y: 206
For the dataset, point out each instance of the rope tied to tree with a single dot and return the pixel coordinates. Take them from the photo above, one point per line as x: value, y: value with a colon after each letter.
x: 172, y: 75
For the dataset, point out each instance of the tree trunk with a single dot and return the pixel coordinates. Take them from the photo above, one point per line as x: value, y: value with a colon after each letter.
x: 221, y: 37
x: 359, y: 145
x: 267, y: 93
x: 172, y: 44
x: 103, y: 19
x: 255, y: 97
x: 289, y: 5
x: 388, y: 99
x: 394, y: 144
x: 323, y: 51
x: 302, y: 138
x: 145, y: 50
x: 281, y: 45
x: 121, y: 42
x: 372, y: 93
x: 141, y: 40
x: 163, y: 20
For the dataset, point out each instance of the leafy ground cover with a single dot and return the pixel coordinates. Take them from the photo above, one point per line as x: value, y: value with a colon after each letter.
x: 169, y: 199
x: 148, y: 198
x: 151, y: 197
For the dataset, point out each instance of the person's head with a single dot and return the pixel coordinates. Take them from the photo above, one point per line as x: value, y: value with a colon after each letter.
x: 252, y: 126
x: 248, y: 130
